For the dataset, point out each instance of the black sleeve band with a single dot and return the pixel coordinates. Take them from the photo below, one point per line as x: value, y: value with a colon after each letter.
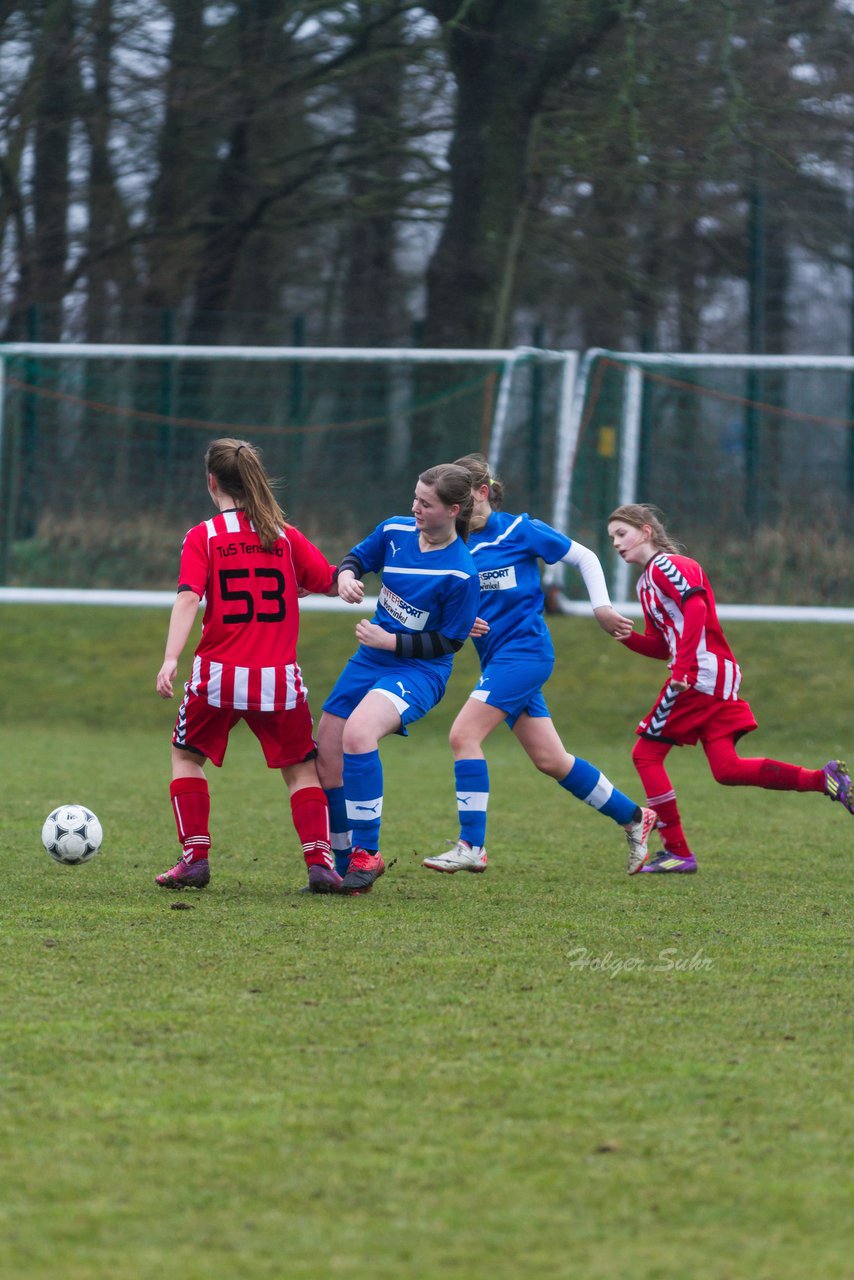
x: 350, y: 562
x: 424, y: 644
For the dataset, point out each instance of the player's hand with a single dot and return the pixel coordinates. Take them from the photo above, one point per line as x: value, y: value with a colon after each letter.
x: 680, y: 686
x: 350, y: 588
x: 614, y: 623
x: 480, y: 627
x: 373, y: 636
x: 165, y: 678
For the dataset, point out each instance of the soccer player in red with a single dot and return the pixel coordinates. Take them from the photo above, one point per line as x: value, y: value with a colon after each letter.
x: 700, y: 702
x: 250, y: 567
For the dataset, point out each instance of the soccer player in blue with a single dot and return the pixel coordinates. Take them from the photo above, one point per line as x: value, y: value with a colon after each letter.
x: 516, y: 659
x: 426, y: 609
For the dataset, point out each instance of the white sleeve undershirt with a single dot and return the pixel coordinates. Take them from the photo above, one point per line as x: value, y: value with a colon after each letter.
x: 590, y: 568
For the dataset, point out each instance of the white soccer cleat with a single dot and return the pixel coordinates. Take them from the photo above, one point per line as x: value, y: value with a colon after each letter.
x: 637, y: 835
x: 463, y: 857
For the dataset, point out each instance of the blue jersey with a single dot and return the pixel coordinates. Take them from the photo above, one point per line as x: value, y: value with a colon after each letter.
x: 506, y: 552
x: 421, y: 590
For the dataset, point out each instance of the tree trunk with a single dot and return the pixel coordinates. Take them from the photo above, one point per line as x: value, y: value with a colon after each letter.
x: 182, y: 161
x: 503, y: 57
x: 51, y: 178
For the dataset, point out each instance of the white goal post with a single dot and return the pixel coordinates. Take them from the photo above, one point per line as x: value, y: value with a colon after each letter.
x: 602, y: 418
x: 632, y: 368
x: 370, y: 415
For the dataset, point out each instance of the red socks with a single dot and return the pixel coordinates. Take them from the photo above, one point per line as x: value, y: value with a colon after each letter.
x: 191, y: 806
x: 310, y: 813
x: 649, y: 760
x: 670, y: 825
x: 727, y: 768
x: 774, y: 775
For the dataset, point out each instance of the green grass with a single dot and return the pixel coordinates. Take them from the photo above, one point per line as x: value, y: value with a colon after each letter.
x: 552, y: 1070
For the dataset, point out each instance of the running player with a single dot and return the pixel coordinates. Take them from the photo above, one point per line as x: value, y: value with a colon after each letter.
x: 249, y: 566
x: 516, y: 657
x: 700, y: 701
x: 426, y: 609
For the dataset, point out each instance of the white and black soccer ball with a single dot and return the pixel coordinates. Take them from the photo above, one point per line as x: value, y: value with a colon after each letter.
x: 72, y: 834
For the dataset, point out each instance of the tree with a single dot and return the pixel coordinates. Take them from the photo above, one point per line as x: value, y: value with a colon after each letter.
x: 504, y: 56
x: 647, y: 164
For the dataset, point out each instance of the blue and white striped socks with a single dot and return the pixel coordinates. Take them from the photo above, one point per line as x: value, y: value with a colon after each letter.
x: 585, y: 782
x: 363, y: 788
x: 472, y: 782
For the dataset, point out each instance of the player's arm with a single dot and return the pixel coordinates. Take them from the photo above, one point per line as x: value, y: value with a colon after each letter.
x: 184, y: 612
x: 651, y: 644
x: 459, y: 617
x: 426, y: 644
x: 366, y: 557
x: 407, y: 644
x: 590, y: 567
x: 348, y: 579
x: 314, y: 574
x: 693, y: 622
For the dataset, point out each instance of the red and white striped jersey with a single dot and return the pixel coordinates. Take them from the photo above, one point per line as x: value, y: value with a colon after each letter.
x: 246, y: 658
x: 699, y: 652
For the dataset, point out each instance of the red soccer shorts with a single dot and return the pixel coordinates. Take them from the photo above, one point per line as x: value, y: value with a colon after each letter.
x: 285, y: 736
x: 690, y: 717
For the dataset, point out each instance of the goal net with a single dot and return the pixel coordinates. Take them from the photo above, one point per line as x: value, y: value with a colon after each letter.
x: 750, y: 458
x: 101, y: 447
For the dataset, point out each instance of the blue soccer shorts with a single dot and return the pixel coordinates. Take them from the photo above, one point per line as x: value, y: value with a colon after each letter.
x: 514, y: 685
x: 413, y: 687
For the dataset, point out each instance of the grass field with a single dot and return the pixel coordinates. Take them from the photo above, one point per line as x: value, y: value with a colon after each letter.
x: 552, y: 1070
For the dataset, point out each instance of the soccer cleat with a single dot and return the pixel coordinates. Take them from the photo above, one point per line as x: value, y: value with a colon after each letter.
x: 323, y: 879
x: 365, y: 868
x: 670, y: 864
x: 463, y: 857
x: 637, y: 835
x: 186, y: 875
x: 837, y: 783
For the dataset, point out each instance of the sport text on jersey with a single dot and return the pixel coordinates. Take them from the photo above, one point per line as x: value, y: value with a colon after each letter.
x: 248, y: 549
x: 403, y: 612
x: 498, y: 579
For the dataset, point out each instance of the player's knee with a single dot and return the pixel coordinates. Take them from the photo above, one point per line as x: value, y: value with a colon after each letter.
x: 466, y: 741
x: 546, y: 764
x: 644, y: 754
x: 359, y: 737
x: 726, y: 772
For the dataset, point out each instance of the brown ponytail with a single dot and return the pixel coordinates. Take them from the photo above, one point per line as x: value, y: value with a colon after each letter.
x: 478, y: 468
x: 237, y: 467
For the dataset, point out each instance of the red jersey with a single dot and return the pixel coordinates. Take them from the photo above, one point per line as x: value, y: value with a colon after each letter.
x: 689, y: 637
x: 247, y: 656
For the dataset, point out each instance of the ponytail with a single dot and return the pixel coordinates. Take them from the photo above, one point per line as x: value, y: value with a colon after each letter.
x: 478, y: 468
x: 237, y: 467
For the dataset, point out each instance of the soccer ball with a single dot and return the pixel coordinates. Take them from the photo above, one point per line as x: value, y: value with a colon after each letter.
x: 72, y: 834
